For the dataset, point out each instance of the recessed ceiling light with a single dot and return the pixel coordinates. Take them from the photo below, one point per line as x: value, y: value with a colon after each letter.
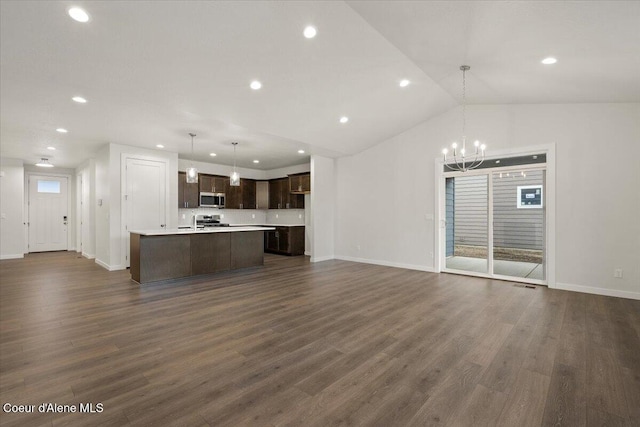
x: 79, y: 99
x: 255, y: 85
x: 212, y: 154
x: 256, y: 161
x: 61, y: 130
x: 159, y: 145
x: 404, y: 83
x: 300, y: 151
x: 51, y: 148
x: 310, y: 32
x: 78, y: 14
x: 344, y: 119
x: 549, y: 61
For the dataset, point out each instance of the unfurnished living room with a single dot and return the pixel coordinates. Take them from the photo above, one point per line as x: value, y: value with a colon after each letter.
x: 312, y: 213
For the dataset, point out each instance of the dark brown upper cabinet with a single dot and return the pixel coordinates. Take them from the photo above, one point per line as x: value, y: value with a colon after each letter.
x: 300, y: 183
x: 280, y: 196
x: 187, y: 193
x: 212, y: 183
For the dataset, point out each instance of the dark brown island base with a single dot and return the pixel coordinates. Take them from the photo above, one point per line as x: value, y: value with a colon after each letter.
x: 171, y: 254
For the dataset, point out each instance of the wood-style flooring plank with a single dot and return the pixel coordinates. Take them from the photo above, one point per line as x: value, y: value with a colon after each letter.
x: 525, y: 404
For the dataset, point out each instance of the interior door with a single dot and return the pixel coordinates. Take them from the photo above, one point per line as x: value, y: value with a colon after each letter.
x: 48, y: 216
x: 145, y: 197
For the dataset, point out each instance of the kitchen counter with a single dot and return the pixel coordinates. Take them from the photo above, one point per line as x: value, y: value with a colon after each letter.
x: 170, y: 254
x: 174, y: 231
x: 266, y: 225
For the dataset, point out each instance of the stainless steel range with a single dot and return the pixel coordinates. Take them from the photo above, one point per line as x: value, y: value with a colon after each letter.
x: 203, y: 221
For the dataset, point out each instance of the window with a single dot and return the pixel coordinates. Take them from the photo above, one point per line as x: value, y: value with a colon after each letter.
x: 48, y: 186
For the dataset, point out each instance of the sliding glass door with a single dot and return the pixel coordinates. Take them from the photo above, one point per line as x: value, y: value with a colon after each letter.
x: 519, y: 224
x: 495, y: 223
x: 467, y: 223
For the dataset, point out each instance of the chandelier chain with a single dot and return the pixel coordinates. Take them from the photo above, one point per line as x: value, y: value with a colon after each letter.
x: 464, y: 104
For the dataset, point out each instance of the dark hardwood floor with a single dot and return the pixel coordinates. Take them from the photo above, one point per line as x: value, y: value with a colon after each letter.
x: 300, y: 344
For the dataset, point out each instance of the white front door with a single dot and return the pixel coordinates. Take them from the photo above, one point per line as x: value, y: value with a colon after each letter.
x: 145, y: 197
x: 48, y: 216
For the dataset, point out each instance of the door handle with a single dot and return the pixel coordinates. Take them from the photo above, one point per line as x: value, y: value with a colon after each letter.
x: 163, y: 225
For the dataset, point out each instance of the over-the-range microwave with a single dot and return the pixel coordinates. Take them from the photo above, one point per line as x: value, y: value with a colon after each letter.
x: 211, y: 200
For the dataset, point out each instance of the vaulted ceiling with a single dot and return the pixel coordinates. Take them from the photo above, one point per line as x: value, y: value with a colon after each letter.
x: 153, y: 71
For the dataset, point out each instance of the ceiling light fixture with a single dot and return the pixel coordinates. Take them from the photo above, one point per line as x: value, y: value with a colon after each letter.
x: 235, y: 176
x: 51, y: 148
x: 79, y: 100
x: 300, y: 151
x: 44, y: 163
x: 310, y: 32
x: 549, y: 61
x: 78, y: 14
x: 212, y: 154
x: 192, y: 172
x: 463, y: 163
x: 256, y: 161
x: 404, y: 83
x: 159, y: 145
x: 61, y: 130
x: 344, y: 119
x: 255, y: 85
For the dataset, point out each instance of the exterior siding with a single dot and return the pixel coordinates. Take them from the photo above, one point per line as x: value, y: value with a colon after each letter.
x: 512, y: 227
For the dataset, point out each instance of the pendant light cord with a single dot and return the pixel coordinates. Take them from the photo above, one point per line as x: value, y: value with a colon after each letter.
x: 192, y: 135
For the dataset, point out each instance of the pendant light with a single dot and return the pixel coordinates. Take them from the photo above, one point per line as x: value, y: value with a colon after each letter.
x: 192, y: 172
x: 235, y: 176
x: 463, y: 161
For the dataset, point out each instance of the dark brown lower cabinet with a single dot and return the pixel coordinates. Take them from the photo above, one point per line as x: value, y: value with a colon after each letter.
x: 162, y: 257
x: 210, y: 253
x: 285, y: 240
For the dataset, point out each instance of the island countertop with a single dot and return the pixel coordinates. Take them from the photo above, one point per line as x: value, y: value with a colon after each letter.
x: 175, y: 231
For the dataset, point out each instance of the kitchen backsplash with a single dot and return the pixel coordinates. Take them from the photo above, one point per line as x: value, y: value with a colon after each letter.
x: 245, y: 216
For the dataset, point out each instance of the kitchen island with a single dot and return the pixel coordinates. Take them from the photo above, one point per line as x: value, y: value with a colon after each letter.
x: 171, y: 254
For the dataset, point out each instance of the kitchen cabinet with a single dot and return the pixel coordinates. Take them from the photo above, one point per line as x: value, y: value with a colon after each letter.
x: 212, y: 183
x: 281, y: 198
x: 300, y: 183
x: 286, y: 240
x: 242, y: 196
x: 187, y: 193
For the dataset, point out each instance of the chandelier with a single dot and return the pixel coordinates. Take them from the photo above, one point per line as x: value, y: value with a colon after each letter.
x: 462, y: 161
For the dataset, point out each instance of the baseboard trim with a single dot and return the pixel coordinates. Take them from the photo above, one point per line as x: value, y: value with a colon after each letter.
x: 322, y: 258
x: 88, y: 256
x: 387, y: 263
x: 598, y: 291
x: 11, y: 256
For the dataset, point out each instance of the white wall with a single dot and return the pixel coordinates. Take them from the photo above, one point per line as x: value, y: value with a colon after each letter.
x: 323, y: 206
x: 86, y: 232
x: 102, y: 207
x: 12, y: 229
x: 386, y: 195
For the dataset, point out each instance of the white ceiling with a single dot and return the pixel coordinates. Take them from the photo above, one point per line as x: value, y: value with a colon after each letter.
x: 154, y: 71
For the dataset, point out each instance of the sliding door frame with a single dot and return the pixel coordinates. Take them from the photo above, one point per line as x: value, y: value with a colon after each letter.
x: 549, y: 192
